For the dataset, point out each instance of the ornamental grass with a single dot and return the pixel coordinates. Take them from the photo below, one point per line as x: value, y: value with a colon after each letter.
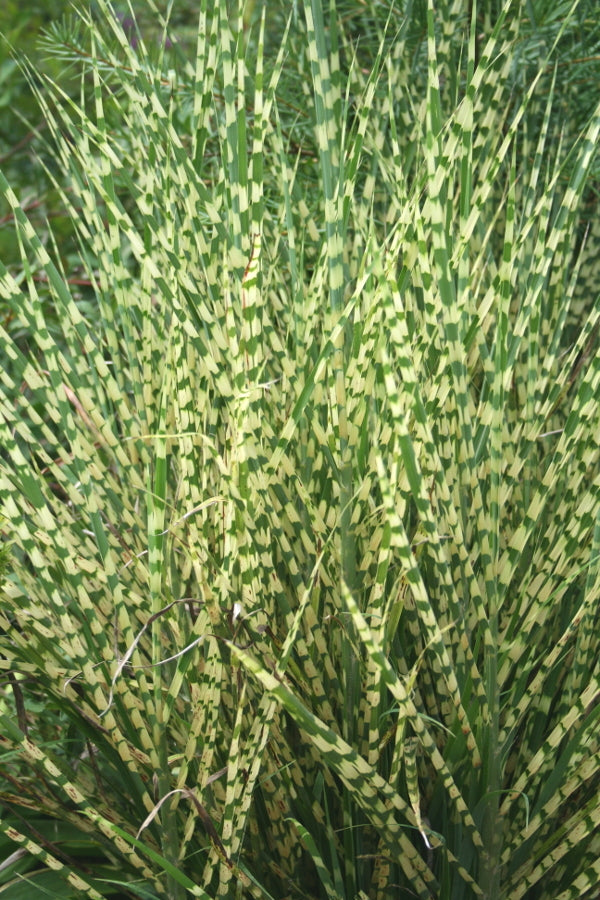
x: 299, y: 469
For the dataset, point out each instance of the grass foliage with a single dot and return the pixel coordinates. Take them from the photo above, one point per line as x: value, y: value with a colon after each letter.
x: 304, y: 510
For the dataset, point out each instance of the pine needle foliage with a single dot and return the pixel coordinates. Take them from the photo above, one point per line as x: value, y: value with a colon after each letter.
x: 305, y: 516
